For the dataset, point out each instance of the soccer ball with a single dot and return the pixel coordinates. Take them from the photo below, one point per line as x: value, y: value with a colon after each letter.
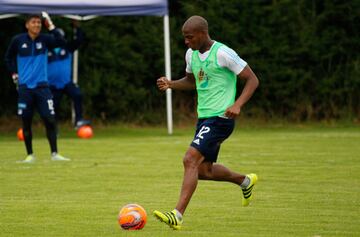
x: 85, y: 132
x: 132, y: 217
x: 20, y: 134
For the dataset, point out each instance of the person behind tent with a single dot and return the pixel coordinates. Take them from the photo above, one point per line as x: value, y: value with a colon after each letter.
x: 60, y: 75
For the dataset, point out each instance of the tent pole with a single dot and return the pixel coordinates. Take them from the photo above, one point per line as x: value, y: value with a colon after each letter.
x: 168, y: 73
x: 74, y: 75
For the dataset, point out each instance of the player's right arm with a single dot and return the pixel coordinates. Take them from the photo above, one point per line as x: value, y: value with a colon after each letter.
x: 185, y: 83
x: 10, y: 56
x: 10, y: 59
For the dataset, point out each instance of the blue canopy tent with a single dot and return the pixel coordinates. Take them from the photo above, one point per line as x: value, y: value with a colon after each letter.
x: 88, y: 9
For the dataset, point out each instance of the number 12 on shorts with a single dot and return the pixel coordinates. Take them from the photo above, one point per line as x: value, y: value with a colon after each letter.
x: 51, y: 106
x: 200, y: 134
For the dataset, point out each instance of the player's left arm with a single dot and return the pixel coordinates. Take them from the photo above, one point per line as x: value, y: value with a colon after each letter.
x: 55, y: 38
x: 251, y: 83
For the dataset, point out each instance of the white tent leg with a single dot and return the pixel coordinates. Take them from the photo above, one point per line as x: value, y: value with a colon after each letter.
x: 168, y: 73
x: 74, y: 75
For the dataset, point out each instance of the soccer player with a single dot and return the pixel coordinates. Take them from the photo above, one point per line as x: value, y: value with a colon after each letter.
x: 59, y: 75
x: 26, y: 59
x: 212, y: 69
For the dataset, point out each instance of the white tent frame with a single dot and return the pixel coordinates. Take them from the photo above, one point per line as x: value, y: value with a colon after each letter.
x: 166, y: 26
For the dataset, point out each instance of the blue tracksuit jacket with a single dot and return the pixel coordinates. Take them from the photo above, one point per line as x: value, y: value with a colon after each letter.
x: 28, y: 57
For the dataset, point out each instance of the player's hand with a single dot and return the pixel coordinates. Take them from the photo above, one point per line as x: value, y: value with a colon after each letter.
x: 15, y: 78
x: 232, y: 112
x: 163, y: 83
x: 47, y: 21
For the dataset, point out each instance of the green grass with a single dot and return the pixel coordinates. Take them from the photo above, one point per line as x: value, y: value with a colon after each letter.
x: 309, y: 183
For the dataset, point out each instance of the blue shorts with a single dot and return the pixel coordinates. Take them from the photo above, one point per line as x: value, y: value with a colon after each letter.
x: 209, y: 135
x: 39, y: 97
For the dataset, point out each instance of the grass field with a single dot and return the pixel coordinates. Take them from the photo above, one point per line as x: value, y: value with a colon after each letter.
x: 309, y: 183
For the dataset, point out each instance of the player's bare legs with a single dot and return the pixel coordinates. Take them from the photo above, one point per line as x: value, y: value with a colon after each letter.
x: 191, y: 161
x: 218, y: 172
x: 194, y: 169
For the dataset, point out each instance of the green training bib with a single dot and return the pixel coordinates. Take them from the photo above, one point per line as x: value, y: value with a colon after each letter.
x: 215, y: 85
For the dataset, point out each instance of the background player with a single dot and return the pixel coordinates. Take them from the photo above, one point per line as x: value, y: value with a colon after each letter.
x: 26, y: 59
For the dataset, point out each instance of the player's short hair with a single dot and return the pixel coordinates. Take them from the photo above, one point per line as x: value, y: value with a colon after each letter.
x: 196, y: 22
x: 31, y: 16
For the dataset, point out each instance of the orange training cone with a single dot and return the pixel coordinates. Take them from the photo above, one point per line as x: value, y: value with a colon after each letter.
x: 20, y: 134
